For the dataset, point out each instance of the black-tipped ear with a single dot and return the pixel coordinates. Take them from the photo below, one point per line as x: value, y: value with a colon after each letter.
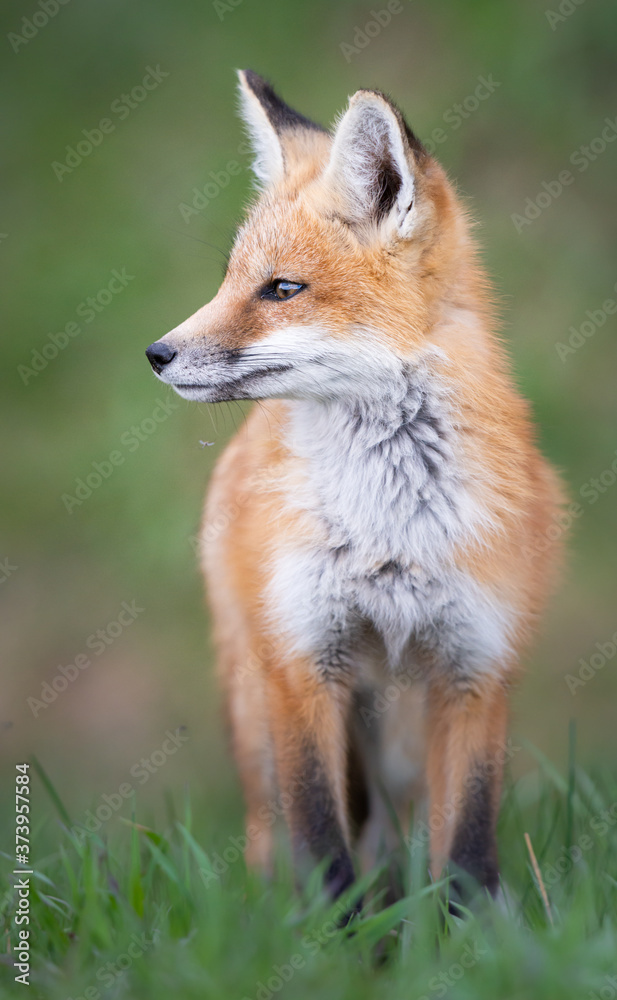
x: 280, y: 115
x: 268, y: 119
x: 373, y: 163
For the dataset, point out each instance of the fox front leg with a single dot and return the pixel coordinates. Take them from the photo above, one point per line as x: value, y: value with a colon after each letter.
x: 308, y: 720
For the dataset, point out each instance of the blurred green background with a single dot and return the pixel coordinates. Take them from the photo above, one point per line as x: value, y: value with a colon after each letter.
x: 132, y: 539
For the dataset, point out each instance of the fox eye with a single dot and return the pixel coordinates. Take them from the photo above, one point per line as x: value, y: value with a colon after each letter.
x: 282, y: 289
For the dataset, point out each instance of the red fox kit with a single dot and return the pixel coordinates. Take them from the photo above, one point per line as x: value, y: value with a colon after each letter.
x: 370, y: 580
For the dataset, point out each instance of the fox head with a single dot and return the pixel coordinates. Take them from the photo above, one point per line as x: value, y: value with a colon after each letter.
x: 353, y: 251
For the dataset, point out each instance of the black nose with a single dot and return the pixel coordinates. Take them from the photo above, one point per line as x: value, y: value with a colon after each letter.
x: 160, y: 354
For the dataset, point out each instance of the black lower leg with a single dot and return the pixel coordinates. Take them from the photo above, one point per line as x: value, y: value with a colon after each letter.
x: 473, y: 854
x: 316, y: 825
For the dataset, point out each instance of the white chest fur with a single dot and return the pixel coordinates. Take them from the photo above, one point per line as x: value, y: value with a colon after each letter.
x: 386, y: 499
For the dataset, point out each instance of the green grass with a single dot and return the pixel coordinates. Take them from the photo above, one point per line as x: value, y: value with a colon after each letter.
x: 138, y: 913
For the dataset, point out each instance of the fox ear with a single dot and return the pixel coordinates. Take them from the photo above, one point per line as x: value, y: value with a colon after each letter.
x: 269, y: 122
x: 373, y: 163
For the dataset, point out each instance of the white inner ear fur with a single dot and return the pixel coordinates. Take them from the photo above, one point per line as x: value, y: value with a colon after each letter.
x: 268, y: 155
x: 367, y: 134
